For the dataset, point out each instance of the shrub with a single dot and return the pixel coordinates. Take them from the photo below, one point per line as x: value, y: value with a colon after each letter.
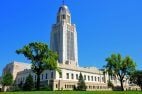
x: 28, y: 85
x: 81, y: 83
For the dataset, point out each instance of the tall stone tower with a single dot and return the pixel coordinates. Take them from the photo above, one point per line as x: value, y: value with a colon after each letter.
x: 64, y: 38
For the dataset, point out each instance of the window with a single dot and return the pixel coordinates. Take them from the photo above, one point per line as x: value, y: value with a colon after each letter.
x: 95, y: 78
x: 68, y: 18
x: 93, y: 87
x: 46, y: 76
x: 98, y: 79
x: 88, y: 78
x: 60, y: 75
x: 56, y: 85
x: 92, y: 78
x: 76, y: 76
x: 84, y: 77
x: 67, y: 75
x: 72, y: 76
x: 64, y: 16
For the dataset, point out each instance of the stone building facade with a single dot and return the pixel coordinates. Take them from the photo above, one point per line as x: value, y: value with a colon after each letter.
x: 94, y: 78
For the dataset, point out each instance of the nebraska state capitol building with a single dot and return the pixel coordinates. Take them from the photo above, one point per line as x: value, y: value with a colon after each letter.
x: 64, y: 42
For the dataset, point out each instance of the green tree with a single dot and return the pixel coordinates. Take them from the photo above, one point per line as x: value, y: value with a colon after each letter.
x: 7, y: 79
x: 120, y: 67
x: 29, y: 84
x: 110, y: 84
x: 41, y: 57
x: 20, y: 85
x: 81, y: 83
x: 136, y: 78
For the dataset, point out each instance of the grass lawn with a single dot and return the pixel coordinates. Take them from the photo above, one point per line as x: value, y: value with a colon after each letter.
x: 74, y: 92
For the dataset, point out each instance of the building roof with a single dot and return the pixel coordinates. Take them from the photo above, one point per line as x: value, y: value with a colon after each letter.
x: 63, y: 9
x: 93, y: 70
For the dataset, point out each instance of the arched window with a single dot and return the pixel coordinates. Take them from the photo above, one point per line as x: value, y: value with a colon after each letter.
x: 64, y: 16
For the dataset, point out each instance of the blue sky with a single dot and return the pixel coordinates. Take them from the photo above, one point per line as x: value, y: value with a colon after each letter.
x: 103, y: 26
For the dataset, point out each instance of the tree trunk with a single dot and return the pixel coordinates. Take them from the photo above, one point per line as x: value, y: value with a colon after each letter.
x: 122, y: 88
x: 38, y: 82
x: 141, y: 88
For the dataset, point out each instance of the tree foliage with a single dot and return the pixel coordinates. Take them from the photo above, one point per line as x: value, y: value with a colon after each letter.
x: 20, y: 85
x: 136, y: 78
x: 41, y: 57
x: 81, y: 83
x: 110, y: 84
x: 29, y: 84
x: 7, y: 79
x: 120, y: 67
